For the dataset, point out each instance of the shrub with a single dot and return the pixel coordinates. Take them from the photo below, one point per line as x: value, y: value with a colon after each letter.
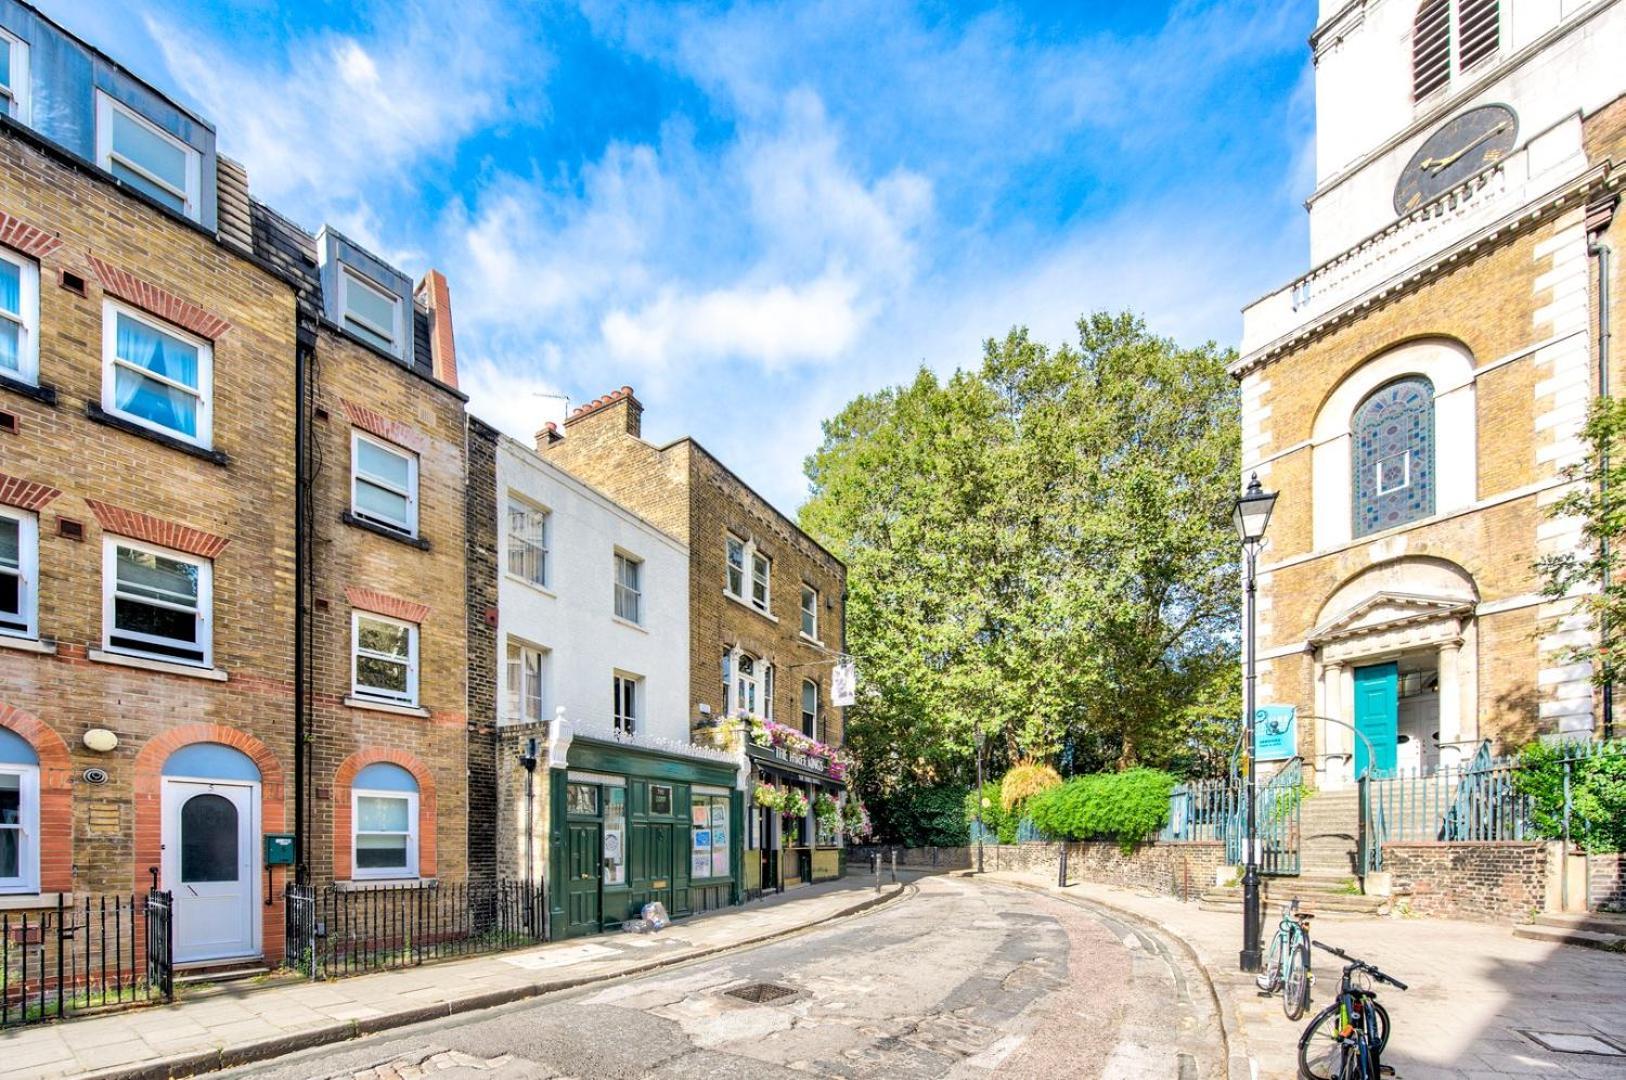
x: 921, y: 817
x: 1023, y: 782
x: 1597, y: 794
x: 993, y: 815
x: 1129, y: 807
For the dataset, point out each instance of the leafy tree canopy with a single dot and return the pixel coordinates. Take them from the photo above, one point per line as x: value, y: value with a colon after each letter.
x: 1041, y: 548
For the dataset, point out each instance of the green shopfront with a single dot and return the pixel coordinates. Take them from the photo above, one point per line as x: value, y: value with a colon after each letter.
x: 630, y: 825
x: 784, y: 852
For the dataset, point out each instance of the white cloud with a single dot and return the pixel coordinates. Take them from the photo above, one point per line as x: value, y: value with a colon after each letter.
x: 513, y: 397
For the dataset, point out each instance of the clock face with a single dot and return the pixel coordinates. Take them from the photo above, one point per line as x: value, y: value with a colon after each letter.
x: 1462, y: 147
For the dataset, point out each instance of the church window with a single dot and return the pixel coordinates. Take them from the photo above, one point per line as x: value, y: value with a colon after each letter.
x: 1392, y: 444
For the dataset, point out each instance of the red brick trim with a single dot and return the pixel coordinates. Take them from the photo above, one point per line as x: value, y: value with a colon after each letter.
x: 161, y: 302
x: 26, y: 494
x: 345, y: 777
x: 581, y: 412
x: 56, y: 797
x: 170, y: 534
x: 376, y: 423
x: 148, y: 797
x: 19, y: 235
x: 384, y: 604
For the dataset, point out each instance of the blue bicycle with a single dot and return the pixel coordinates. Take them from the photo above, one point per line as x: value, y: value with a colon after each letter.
x: 1287, y: 967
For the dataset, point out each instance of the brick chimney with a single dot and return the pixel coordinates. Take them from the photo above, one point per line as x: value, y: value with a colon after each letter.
x: 549, y: 435
x: 618, y: 407
x: 436, y: 296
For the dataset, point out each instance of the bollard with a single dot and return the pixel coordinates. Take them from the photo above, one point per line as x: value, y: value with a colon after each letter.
x: 894, y: 866
x: 875, y: 868
x: 1062, y: 875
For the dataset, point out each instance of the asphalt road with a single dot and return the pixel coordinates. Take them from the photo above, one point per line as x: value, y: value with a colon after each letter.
x: 961, y: 979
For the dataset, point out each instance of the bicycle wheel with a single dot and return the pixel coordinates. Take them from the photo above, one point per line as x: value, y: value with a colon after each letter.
x: 1323, y: 1053
x: 1270, y: 976
x: 1380, y: 1024
x: 1296, y: 984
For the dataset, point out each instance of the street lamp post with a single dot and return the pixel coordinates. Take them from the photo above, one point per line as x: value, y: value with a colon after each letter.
x: 979, y: 740
x: 1251, y: 515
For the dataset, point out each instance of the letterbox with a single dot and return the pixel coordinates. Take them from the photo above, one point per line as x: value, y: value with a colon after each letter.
x: 279, y: 849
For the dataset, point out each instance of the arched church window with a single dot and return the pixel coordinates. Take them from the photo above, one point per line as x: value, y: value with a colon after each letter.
x: 1392, y: 443
x: 1449, y: 37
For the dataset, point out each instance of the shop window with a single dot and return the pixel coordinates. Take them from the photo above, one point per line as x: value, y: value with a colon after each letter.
x: 709, y: 820
x: 615, y: 836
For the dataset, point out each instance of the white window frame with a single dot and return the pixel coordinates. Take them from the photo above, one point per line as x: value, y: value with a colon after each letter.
x: 627, y: 684
x: 350, y: 277
x: 511, y: 541
x: 105, y: 107
x: 767, y: 690
x: 736, y: 677
x: 515, y: 672
x: 731, y: 570
x: 373, y: 693
x: 810, y: 726
x: 740, y: 579
x: 28, y: 830
x: 629, y: 594
x: 204, y: 391
x: 205, y: 609
x: 27, y: 318
x: 810, y: 612
x: 408, y: 527
x: 28, y: 572
x: 18, y: 99
x: 357, y: 872
x: 765, y: 579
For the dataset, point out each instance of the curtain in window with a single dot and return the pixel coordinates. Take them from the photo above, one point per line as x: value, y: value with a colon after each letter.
x: 11, y: 303
x: 151, y: 350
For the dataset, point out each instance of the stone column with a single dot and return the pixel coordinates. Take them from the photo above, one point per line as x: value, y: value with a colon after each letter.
x: 1338, y: 706
x: 1450, y: 701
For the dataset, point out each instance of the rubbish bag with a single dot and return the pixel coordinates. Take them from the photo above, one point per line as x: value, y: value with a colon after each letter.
x: 654, y: 914
x: 636, y: 926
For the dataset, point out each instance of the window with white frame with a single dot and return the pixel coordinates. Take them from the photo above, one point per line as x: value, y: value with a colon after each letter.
x: 19, y: 315
x: 810, y: 708
x: 14, y: 86
x: 528, y: 542
x: 19, y: 814
x: 156, y: 375
x: 146, y: 157
x: 748, y: 568
x: 527, y: 683
x: 767, y: 691
x: 19, y: 570
x: 750, y: 684
x: 384, y: 659
x: 384, y: 483
x: 369, y: 311
x: 157, y: 603
x: 629, y: 576
x: 735, y: 581
x: 810, y: 612
x: 384, y: 822
x: 761, y: 569
x: 628, y: 700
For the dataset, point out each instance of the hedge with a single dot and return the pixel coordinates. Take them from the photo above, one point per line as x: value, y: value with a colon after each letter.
x: 1129, y: 807
x: 1597, y: 794
x: 921, y: 817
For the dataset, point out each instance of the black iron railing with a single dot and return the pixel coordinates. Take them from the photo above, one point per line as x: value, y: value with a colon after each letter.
x: 337, y: 930
x: 93, y: 953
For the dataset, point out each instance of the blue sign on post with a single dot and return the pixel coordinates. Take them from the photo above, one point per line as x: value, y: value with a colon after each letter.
x: 1275, y: 732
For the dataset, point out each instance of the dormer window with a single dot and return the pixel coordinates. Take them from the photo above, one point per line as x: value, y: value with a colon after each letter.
x: 1449, y: 38
x: 146, y: 157
x: 369, y: 312
x: 14, y: 77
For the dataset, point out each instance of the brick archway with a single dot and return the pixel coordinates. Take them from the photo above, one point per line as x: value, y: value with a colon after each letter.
x: 148, y: 794
x: 345, y: 777
x: 56, y: 796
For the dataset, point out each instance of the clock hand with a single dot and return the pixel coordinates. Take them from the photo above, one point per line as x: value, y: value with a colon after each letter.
x: 1436, y: 165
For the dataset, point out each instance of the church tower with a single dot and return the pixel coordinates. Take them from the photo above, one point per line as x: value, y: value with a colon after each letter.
x: 1416, y: 396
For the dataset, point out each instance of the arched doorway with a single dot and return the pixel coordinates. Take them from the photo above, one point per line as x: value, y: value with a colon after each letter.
x: 211, y: 858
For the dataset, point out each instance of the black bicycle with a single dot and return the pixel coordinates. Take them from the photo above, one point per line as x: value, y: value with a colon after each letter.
x: 1346, y: 1040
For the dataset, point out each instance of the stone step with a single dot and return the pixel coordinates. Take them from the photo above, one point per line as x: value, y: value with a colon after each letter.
x: 1315, y: 904
x: 1561, y: 935
x: 219, y: 974
x: 1598, y: 922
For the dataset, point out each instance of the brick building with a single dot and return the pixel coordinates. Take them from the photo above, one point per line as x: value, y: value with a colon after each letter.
x: 147, y: 534
x: 1416, y: 395
x: 766, y: 608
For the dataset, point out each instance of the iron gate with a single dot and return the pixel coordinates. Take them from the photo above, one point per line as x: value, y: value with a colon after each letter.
x: 160, y: 942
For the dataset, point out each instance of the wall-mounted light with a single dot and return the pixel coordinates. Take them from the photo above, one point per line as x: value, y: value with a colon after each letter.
x: 101, y: 740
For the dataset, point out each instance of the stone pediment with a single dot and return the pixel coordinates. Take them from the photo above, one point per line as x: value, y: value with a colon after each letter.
x: 1388, y: 611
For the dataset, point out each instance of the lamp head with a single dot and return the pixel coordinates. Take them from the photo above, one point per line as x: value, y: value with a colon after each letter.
x: 1252, y: 512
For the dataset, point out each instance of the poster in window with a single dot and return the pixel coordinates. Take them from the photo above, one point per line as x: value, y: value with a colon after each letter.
x: 719, y: 839
x: 719, y: 861
x: 660, y: 799
x: 702, y: 819
x: 700, y: 865
x: 719, y: 813
x: 702, y: 839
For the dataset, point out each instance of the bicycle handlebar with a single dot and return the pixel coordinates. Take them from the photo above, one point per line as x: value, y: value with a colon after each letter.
x: 1361, y: 965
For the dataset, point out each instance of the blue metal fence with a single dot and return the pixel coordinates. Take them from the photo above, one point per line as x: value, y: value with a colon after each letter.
x: 1217, y: 810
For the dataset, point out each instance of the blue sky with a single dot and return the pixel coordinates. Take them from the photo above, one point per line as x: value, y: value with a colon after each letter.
x: 752, y: 213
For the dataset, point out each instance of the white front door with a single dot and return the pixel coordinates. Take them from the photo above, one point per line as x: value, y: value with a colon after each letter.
x: 211, y: 865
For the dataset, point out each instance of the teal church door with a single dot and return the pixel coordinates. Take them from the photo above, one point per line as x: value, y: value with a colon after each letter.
x: 1377, y: 705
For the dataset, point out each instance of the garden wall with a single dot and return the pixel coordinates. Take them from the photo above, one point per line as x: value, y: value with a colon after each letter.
x: 1491, y: 881
x: 1181, y: 869
x: 1606, y: 882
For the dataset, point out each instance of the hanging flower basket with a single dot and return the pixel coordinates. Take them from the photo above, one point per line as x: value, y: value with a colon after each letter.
x: 770, y: 796
x: 795, y: 804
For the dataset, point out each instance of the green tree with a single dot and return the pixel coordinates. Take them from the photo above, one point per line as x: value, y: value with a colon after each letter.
x: 1040, y: 547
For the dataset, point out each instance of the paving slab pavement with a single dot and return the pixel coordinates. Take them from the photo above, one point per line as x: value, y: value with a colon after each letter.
x: 1479, y: 997
x: 241, y: 1022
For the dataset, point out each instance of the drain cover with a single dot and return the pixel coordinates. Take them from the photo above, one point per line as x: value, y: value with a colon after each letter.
x: 1570, y: 1043
x: 761, y: 993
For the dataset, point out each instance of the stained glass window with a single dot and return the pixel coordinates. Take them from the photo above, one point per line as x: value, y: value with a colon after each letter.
x: 1392, y: 452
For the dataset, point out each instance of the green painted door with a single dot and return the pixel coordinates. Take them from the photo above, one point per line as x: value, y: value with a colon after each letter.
x: 660, y: 864
x: 582, y: 869
x: 1377, y: 705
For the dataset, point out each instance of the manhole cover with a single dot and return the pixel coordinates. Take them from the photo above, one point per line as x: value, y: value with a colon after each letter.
x: 761, y: 993
x: 1569, y: 1043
